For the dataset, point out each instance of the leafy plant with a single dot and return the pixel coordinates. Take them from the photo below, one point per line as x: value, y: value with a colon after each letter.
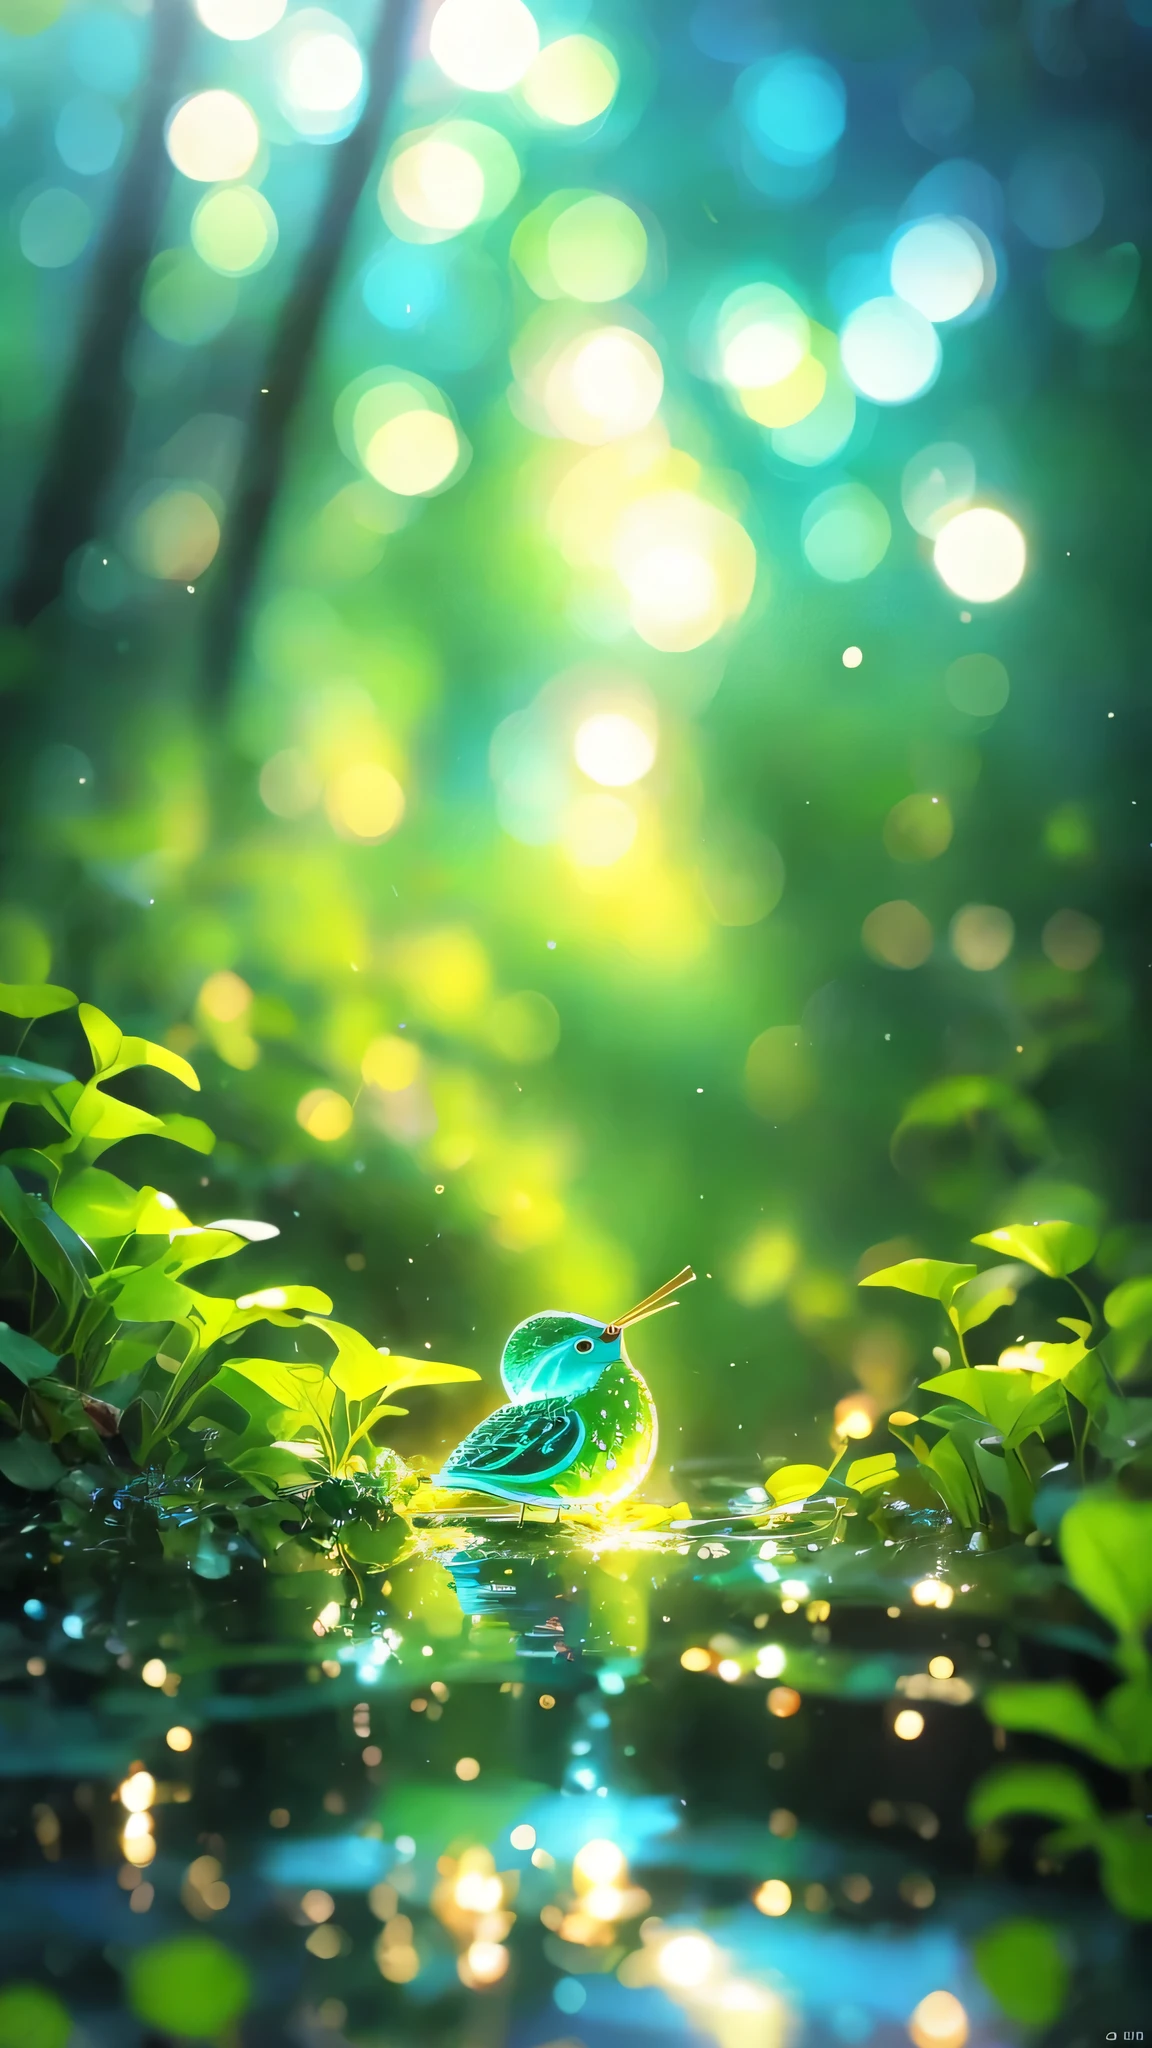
x: 122, y: 1356
x: 1106, y: 1544
x: 997, y: 1427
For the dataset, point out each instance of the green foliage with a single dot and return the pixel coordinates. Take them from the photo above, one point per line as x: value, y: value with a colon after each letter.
x: 31, y: 2017
x: 1057, y: 1249
x: 1106, y: 1541
x: 1025, y: 1969
x: 189, y: 1986
x: 121, y: 1342
x: 1041, y: 1401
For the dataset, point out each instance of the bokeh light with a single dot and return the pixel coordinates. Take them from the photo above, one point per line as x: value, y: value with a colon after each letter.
x: 918, y: 828
x: 977, y: 684
x: 89, y: 132
x: 773, y: 1898
x: 175, y: 535
x: 324, y: 1114
x: 1056, y: 197
x: 980, y: 554
x: 55, y: 227
x: 486, y: 45
x: 238, y: 21
x: 597, y: 249
x: 687, y: 567
x: 319, y: 74
x: 235, y: 230
x: 571, y: 82
x: 897, y: 934
x: 613, y: 749
x: 797, y: 111
x: 939, y: 2021
x: 890, y: 351
x: 938, y: 267
x: 981, y: 936
x: 937, y: 483
x: 213, y: 137
x: 184, y: 300
x: 845, y: 533
x: 686, y: 1960
x: 599, y: 830
x: 937, y: 106
x: 779, y: 1074
x: 908, y: 1724
x: 437, y: 184
x: 605, y: 384
x: 413, y: 453
x: 762, y: 336
x: 365, y: 801
x: 1072, y: 940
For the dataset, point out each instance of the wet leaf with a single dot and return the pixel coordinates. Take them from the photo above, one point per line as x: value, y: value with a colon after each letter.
x: 1023, y: 1965
x: 1053, y: 1248
x: 795, y: 1482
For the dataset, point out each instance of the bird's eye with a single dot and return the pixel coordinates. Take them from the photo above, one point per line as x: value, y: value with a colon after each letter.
x: 583, y: 1343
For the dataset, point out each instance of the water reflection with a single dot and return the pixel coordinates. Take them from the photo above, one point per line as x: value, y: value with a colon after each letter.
x: 537, y: 1783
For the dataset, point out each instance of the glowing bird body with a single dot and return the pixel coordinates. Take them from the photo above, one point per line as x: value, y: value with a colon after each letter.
x: 581, y: 1425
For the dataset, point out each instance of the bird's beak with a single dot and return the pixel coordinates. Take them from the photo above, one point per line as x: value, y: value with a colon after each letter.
x: 652, y: 1303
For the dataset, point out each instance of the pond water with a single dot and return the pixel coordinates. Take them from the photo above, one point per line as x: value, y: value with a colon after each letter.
x: 703, y: 1784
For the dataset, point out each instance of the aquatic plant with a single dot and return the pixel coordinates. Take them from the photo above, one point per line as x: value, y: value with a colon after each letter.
x: 1000, y: 1426
x: 116, y: 1359
x: 1106, y: 1545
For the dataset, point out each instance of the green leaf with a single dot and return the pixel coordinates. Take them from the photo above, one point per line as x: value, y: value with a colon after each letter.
x: 30, y: 1000
x: 98, y: 1205
x: 1046, y: 1404
x: 141, y: 1052
x: 104, y: 1037
x: 23, y: 1356
x: 29, y: 1463
x: 956, y: 1481
x: 187, y: 1130
x: 865, y: 1474
x: 285, y: 1383
x: 278, y: 1467
x: 1131, y: 1302
x: 1049, y: 1789
x: 974, y: 1303
x: 1053, y: 1248
x: 378, y: 1546
x: 1023, y: 1965
x: 1126, y: 1717
x: 150, y: 1296
x: 421, y: 1372
x: 102, y: 1120
x: 1106, y: 1543
x: 1059, y: 1710
x: 935, y: 1278
x: 55, y: 1251
x: 795, y: 1482
x: 998, y: 1396
x: 1124, y: 1842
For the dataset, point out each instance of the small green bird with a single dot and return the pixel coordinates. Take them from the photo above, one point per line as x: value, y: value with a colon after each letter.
x: 581, y: 1424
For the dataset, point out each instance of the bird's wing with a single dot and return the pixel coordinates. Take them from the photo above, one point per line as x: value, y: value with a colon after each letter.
x: 530, y: 1440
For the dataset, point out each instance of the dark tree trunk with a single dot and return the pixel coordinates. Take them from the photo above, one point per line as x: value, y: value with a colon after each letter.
x: 292, y: 349
x: 94, y: 410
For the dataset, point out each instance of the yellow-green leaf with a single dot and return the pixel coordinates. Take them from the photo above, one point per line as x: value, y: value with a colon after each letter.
x: 421, y: 1372
x: 29, y: 1000
x: 865, y: 1474
x: 937, y: 1279
x: 1054, y: 1248
x: 104, y: 1037
x: 795, y: 1482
